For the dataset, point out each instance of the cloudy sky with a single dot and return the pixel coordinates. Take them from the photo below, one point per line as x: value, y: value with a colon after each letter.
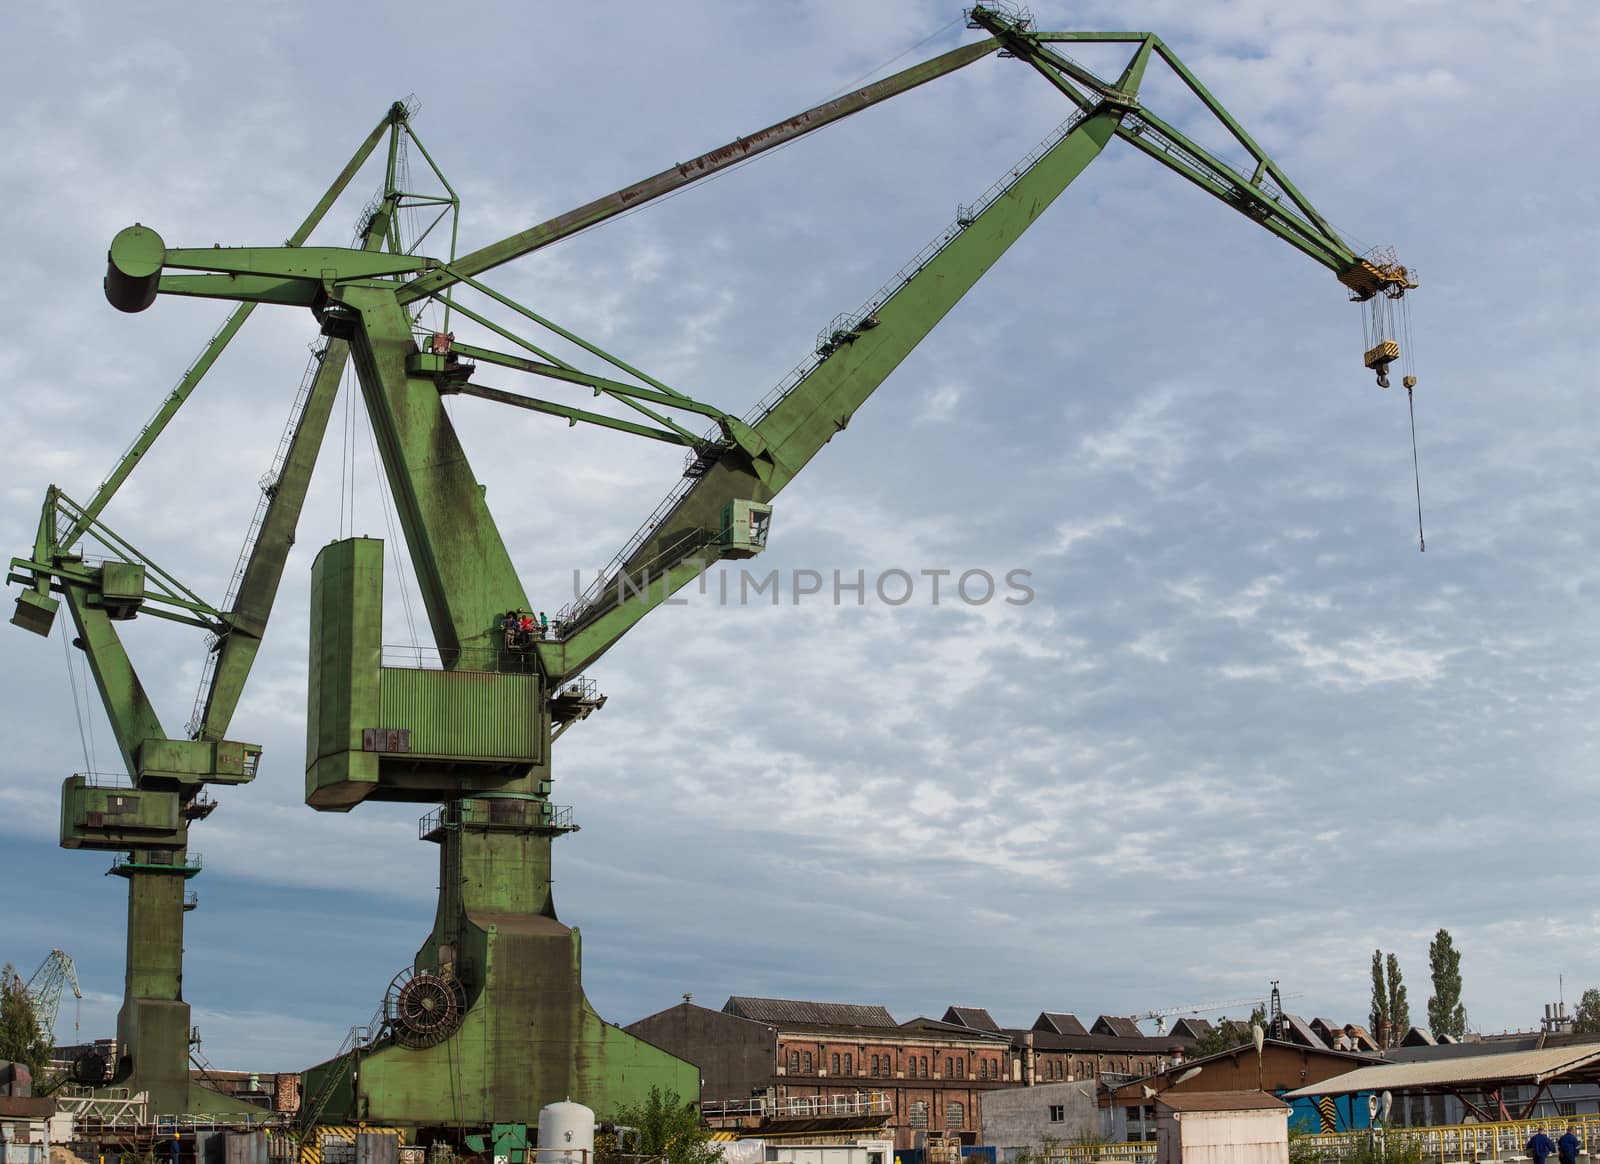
x: 1243, y: 732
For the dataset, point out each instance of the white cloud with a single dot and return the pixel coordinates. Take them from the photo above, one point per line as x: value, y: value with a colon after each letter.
x: 1173, y: 433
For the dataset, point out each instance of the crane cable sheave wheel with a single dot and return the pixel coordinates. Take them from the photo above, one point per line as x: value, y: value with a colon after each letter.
x: 423, y: 1008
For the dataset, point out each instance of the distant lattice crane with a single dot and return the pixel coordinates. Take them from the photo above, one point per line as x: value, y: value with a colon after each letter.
x: 1161, y: 1015
x: 45, y: 986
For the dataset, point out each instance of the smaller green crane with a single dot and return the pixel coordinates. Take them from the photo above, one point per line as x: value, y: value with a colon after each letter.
x: 45, y: 987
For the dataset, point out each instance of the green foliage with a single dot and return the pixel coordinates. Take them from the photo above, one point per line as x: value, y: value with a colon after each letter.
x: 1586, y: 1021
x: 667, y: 1127
x: 1446, y: 1014
x: 20, y: 1040
x: 1304, y: 1149
x: 1378, y: 1013
x: 1045, y: 1151
x: 1389, y: 1007
x: 1399, y: 1009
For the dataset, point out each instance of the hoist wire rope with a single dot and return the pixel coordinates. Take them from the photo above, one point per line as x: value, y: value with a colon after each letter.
x: 344, y: 447
x: 396, y: 539
x: 72, y: 682
x: 1409, y: 368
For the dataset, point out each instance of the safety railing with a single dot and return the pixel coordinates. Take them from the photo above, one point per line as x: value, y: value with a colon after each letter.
x: 532, y: 814
x: 424, y: 658
x: 160, y: 859
x: 798, y: 1106
x: 106, y: 779
x: 1448, y: 1143
x: 1088, y: 1153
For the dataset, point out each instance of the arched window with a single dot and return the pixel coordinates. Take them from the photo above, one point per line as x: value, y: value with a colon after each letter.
x: 808, y: 1062
x: 794, y: 1061
x: 919, y: 1113
x: 924, y: 1066
x: 954, y: 1114
x: 983, y: 1069
x: 874, y: 1066
x: 835, y: 1067
x: 849, y: 1064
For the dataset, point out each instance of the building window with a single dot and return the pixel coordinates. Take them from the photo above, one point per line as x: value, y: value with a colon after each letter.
x: 835, y: 1067
x: 954, y: 1115
x: 794, y: 1061
x: 961, y: 1068
x: 874, y: 1066
x: 1564, y: 1110
x: 849, y: 1064
x: 808, y: 1062
x: 1058, y: 1113
x: 919, y: 1113
x: 983, y: 1069
x: 949, y: 1068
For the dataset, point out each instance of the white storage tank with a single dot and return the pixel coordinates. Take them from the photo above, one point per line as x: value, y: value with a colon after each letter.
x: 566, y: 1134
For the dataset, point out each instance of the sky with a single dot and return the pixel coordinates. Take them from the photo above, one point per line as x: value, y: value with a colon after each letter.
x: 1244, y: 731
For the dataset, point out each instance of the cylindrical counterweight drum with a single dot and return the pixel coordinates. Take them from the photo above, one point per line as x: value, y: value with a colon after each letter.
x: 133, y: 268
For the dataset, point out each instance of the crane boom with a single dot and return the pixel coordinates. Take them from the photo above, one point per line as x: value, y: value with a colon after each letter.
x: 683, y: 538
x: 678, y: 176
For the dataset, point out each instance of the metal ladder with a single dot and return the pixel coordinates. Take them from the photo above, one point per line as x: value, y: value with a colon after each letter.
x: 269, y: 489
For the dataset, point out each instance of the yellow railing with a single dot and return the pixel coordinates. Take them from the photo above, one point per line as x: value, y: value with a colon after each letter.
x: 1093, y: 1153
x: 1451, y: 1143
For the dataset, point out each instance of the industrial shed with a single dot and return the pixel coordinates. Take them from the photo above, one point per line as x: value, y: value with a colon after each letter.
x: 1483, y: 1084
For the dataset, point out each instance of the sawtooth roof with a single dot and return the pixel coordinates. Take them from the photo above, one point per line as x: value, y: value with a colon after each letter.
x: 1118, y: 1025
x: 788, y: 1012
x: 1059, y: 1022
x: 972, y: 1016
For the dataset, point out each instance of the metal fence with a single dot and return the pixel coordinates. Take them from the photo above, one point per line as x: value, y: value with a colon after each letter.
x: 1451, y: 1144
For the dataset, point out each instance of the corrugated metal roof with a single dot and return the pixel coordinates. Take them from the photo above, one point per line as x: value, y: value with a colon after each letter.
x: 1580, y: 1063
x: 1060, y: 1022
x: 821, y: 1014
x: 971, y: 1016
x: 1221, y: 1101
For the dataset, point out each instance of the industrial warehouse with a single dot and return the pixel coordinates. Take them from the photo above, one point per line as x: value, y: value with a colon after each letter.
x: 982, y: 830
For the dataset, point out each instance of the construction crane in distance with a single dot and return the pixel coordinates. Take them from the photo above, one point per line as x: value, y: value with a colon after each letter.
x: 44, y: 987
x: 1160, y: 1016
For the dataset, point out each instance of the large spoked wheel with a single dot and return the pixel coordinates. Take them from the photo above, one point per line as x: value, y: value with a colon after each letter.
x: 423, y: 1008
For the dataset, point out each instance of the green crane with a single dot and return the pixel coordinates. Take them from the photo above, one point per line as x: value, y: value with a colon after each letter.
x: 490, y: 1021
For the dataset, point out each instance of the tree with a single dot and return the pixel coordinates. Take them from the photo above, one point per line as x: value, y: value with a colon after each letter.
x: 1399, y: 1009
x: 1378, y: 1016
x: 1446, y: 1014
x: 20, y: 1039
x: 668, y: 1127
x: 1586, y: 1021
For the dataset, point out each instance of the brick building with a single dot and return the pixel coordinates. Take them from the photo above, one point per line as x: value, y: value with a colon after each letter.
x: 1058, y: 1048
x: 841, y: 1062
